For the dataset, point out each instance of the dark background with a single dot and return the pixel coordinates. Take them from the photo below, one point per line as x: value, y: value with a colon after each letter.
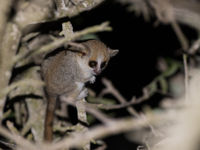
x: 141, y: 44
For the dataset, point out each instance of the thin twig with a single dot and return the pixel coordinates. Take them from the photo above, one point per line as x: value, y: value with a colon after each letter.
x: 117, y: 106
x: 186, y: 77
x: 110, y: 89
x: 195, y: 47
x: 182, y: 39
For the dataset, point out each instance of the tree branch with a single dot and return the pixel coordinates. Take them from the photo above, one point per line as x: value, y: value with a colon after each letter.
x: 4, y: 10
x: 115, y: 127
x: 60, y: 41
x: 67, y: 10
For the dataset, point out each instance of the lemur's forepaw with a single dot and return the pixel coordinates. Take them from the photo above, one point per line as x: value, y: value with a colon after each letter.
x: 92, y: 79
x: 83, y: 93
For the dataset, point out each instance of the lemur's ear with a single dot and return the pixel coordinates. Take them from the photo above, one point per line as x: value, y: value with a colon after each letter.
x: 78, y: 47
x: 113, y: 52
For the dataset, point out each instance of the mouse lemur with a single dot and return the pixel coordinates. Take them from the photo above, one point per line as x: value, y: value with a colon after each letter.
x: 66, y: 73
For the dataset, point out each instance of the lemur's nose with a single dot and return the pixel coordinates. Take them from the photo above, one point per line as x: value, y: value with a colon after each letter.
x: 97, y: 71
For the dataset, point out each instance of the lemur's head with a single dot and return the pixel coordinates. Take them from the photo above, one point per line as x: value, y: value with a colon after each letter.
x: 95, y: 56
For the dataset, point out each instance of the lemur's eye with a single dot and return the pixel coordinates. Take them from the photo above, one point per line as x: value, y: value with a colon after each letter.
x: 92, y: 64
x: 103, y: 64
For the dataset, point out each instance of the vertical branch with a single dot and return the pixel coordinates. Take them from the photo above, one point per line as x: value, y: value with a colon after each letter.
x: 9, y: 46
x: 186, y: 77
x: 32, y: 13
x: 182, y: 39
x: 4, y: 10
x: 82, y: 116
x: 8, y: 50
x: 36, y: 119
x: 184, y: 43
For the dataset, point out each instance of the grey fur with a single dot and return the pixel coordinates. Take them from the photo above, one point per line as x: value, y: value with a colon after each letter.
x: 61, y: 79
